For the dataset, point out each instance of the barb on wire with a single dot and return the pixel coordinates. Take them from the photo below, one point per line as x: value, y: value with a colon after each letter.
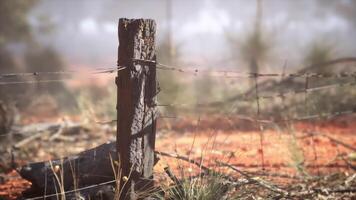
x: 216, y: 73
x: 107, y: 71
x: 70, y: 72
x: 239, y: 74
x: 226, y: 73
x: 33, y: 82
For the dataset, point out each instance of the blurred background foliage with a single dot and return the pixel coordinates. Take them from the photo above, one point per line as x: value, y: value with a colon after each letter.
x: 43, y: 35
x: 21, y: 52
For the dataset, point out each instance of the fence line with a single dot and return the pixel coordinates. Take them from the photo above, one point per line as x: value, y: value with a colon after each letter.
x: 35, y: 74
x: 281, y: 95
x: 227, y: 74
x: 301, y: 118
x: 252, y: 75
x: 239, y: 74
x: 34, y: 82
x: 70, y: 72
x: 197, y: 70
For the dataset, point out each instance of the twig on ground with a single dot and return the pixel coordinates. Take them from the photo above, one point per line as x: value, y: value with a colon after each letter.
x: 184, y: 159
x: 353, y: 167
x: 28, y: 139
x: 258, y: 181
x: 172, y: 176
x: 274, y: 175
x: 57, y: 133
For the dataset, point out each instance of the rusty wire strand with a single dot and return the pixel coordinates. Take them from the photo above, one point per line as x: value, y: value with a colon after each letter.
x: 329, y: 115
x: 281, y: 95
x: 44, y: 73
x: 240, y: 74
x: 192, y: 70
x: 195, y: 70
x: 107, y: 71
x: 34, y: 82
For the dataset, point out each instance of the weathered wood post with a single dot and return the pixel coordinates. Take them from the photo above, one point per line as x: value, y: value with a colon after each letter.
x: 136, y: 103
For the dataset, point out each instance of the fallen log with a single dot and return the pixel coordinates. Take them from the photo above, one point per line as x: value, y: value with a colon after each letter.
x: 88, y: 168
x: 81, y: 173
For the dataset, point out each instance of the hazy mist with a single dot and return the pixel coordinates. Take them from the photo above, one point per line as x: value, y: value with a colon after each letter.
x: 85, y: 32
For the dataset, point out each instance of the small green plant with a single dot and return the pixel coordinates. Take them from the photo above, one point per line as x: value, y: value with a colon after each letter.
x: 208, y: 187
x: 204, y: 184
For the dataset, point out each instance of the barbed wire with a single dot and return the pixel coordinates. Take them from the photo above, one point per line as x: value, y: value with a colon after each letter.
x: 72, y: 191
x: 34, y: 82
x: 266, y: 97
x: 302, y: 73
x: 195, y: 71
x: 34, y: 74
x: 43, y: 73
x: 201, y: 69
x: 301, y: 118
x: 239, y: 74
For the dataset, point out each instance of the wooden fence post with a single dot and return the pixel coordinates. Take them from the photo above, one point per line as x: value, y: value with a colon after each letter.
x: 136, y: 106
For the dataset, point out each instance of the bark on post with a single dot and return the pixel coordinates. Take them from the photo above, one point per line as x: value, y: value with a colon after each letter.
x: 136, y: 125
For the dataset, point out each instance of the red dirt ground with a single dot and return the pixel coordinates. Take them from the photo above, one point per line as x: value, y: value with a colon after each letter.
x: 244, y: 149
x: 318, y: 154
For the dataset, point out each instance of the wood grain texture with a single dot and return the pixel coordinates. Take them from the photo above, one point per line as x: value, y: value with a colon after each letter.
x: 136, y: 105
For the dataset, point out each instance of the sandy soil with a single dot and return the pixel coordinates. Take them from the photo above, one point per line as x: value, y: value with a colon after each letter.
x: 271, y: 150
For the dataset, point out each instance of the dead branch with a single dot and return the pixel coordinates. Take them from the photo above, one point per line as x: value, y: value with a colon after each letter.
x: 353, y: 167
x: 172, y: 176
x: 28, y: 139
x: 274, y: 175
x: 205, y: 168
x: 258, y: 181
x: 35, y: 131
